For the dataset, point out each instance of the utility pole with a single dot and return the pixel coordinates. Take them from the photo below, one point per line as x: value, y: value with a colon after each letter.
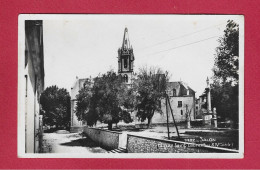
x: 173, y: 117
x: 165, y: 94
x: 167, y: 116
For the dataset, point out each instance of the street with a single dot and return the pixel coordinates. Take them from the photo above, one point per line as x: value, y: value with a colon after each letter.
x: 62, y: 141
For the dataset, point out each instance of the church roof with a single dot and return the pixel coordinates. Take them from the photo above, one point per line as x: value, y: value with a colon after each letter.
x: 177, y: 84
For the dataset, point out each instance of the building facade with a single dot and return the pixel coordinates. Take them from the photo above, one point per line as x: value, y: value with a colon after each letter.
x: 182, y: 101
x: 34, y: 84
x: 75, y: 124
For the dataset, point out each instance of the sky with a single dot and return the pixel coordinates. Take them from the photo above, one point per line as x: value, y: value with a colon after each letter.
x: 86, y: 45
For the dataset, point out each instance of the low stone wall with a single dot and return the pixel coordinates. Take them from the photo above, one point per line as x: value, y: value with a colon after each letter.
x: 76, y: 129
x: 171, y: 124
x: 140, y: 144
x: 105, y: 138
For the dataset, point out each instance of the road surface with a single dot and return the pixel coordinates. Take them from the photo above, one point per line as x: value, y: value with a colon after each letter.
x: 65, y: 142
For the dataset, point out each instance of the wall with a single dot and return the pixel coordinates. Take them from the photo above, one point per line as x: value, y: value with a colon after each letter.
x: 76, y: 129
x: 74, y: 119
x: 74, y: 91
x: 105, y: 138
x: 139, y: 144
x: 30, y: 109
x: 33, y: 83
x: 162, y: 118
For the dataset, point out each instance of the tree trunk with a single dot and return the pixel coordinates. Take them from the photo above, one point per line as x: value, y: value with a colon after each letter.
x: 110, y: 126
x: 150, y: 120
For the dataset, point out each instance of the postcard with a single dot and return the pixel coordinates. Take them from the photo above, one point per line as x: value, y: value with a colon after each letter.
x: 130, y: 86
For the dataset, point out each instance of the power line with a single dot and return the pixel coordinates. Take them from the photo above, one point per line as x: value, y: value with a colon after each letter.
x: 184, y: 45
x: 185, y: 35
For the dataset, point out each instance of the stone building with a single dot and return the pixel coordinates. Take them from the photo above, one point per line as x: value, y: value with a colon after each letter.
x: 182, y: 97
x: 76, y: 125
x: 33, y: 84
x: 182, y: 101
x: 201, y: 105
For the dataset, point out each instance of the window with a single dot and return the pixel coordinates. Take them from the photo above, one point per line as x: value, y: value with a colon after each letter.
x: 125, y: 78
x: 179, y: 103
x: 125, y: 63
x: 174, y: 92
x: 181, y: 112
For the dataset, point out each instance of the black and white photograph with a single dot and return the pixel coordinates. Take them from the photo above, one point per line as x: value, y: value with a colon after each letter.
x: 130, y: 86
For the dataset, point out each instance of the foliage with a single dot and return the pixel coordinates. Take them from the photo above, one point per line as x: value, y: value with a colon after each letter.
x: 150, y: 87
x: 106, y: 100
x: 225, y: 79
x: 226, y: 59
x: 55, y: 106
x: 225, y: 99
x: 84, y: 106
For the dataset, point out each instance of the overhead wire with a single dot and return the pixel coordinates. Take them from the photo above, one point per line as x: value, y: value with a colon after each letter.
x: 185, y: 35
x: 183, y: 45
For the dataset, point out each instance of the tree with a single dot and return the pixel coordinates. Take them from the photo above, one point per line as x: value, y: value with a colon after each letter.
x: 55, y: 107
x: 225, y: 80
x: 150, y: 87
x: 107, y: 101
x: 188, y: 114
x: 227, y: 54
x: 85, y: 104
x: 225, y: 99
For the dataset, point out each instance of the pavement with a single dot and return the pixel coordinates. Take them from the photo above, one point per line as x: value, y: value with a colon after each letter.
x: 64, y: 142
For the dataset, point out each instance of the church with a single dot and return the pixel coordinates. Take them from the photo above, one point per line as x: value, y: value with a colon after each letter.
x: 181, y: 96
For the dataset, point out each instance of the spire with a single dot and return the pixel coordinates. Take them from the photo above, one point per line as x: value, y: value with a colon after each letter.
x: 207, y: 82
x: 126, y: 42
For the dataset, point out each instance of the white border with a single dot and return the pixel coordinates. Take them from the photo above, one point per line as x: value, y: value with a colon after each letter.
x: 21, y: 115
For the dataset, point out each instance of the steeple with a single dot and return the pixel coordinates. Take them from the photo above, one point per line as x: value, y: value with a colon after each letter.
x: 126, y: 59
x: 126, y: 41
x: 207, y: 81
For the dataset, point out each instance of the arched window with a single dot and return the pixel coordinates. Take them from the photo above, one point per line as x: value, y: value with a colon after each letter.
x: 174, y: 92
x: 125, y: 78
x: 125, y: 63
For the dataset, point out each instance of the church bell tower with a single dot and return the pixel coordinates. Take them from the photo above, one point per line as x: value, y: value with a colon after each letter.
x: 126, y: 59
